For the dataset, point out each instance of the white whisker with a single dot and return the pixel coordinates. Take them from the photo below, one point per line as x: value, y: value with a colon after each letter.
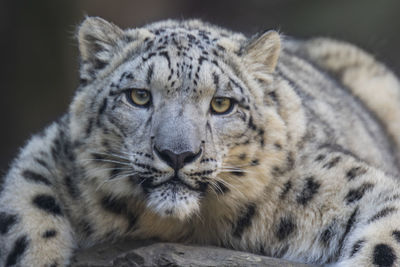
x: 114, y: 179
x: 229, y: 185
x: 110, y: 154
x: 111, y: 169
x: 238, y: 165
x: 108, y: 161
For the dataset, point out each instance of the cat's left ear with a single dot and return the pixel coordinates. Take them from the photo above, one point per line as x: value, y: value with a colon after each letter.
x: 262, y: 53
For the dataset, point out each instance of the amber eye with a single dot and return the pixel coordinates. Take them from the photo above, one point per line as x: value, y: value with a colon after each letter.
x: 221, y: 105
x: 139, y: 97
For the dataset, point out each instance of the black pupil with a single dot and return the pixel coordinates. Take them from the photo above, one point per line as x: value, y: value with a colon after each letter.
x: 142, y: 94
x: 220, y: 101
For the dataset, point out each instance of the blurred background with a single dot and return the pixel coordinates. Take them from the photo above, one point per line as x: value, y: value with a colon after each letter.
x: 39, y: 56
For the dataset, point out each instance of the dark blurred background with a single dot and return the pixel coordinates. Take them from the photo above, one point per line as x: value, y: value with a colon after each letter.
x: 39, y: 62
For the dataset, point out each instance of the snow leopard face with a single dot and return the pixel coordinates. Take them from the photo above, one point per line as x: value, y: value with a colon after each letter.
x: 165, y: 114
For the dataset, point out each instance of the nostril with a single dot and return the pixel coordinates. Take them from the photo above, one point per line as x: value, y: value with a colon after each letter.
x: 190, y: 157
x: 167, y: 156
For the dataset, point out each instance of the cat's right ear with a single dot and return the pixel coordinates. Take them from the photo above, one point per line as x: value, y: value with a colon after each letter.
x: 99, y: 41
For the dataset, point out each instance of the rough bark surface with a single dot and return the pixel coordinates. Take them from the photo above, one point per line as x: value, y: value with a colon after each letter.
x: 147, y: 253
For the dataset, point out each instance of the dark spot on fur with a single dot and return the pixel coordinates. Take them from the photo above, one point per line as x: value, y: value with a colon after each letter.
x: 6, y: 222
x: 349, y: 225
x: 320, y: 157
x: 98, y: 157
x: 216, y: 81
x: 18, y: 249
x: 114, y: 205
x: 47, y: 203
x: 242, y: 156
x: 166, y: 56
x: 276, y: 171
x: 149, y: 75
x: 128, y: 38
x: 49, y: 233
x: 327, y: 234
x: 290, y: 161
x: 383, y: 213
x: 119, y: 207
x: 255, y: 162
x: 113, y: 93
x: 272, y: 95
x: 221, y: 188
x: 244, y: 221
x: 261, y: 249
x: 115, y: 172
x: 89, y: 127
x: 289, y: 164
x: 391, y: 198
x: 54, y: 153
x: 123, y: 76
x: 221, y: 47
x: 383, y: 255
x: 309, y: 190
x: 42, y: 163
x: 103, y: 106
x: 215, y: 63
x: 357, y: 247
x: 285, y: 228
x: 35, y: 177
x: 332, y: 163
x: 396, y: 235
x: 238, y: 173
x: 191, y: 38
x: 337, y: 148
x: 262, y: 142
x: 150, y: 55
x: 278, y: 146
x: 358, y: 193
x: 351, y: 221
x: 236, y: 84
x: 201, y: 186
x: 251, y: 124
x: 83, y: 82
x: 99, y: 64
x: 149, y: 45
x: 286, y: 188
x: 86, y: 227
x: 354, y: 172
x: 72, y: 188
x: 56, y: 148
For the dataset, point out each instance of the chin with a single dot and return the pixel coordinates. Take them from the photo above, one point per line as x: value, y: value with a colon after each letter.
x: 173, y: 200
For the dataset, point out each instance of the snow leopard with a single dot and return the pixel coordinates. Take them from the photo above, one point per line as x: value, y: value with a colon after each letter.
x: 188, y: 132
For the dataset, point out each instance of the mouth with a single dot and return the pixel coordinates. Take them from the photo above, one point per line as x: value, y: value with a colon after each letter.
x: 174, y: 183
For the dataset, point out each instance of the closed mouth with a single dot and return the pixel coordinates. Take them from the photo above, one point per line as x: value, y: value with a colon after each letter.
x: 173, y: 182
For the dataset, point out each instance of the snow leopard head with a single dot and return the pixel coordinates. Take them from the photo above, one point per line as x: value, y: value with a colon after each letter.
x: 174, y: 113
